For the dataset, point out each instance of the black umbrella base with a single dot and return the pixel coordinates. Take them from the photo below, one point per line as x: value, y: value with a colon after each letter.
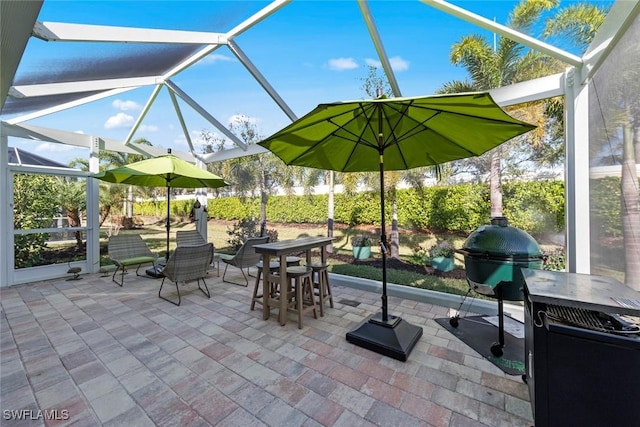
x: 156, y: 271
x: 393, y: 338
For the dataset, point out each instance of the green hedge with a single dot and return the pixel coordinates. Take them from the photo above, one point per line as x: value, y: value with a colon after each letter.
x: 536, y: 207
x: 180, y: 208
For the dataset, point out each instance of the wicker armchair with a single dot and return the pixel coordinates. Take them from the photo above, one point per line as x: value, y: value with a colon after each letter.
x: 126, y: 250
x: 188, y: 263
x: 245, y: 257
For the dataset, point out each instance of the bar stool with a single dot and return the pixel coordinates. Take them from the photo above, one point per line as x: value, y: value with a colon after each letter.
x: 322, y: 285
x: 273, y: 286
x: 301, y: 298
x: 274, y: 266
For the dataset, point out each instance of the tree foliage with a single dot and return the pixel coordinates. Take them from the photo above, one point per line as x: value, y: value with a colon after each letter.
x: 34, y: 206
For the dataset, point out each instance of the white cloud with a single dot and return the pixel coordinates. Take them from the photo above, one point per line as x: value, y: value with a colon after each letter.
x: 397, y: 63
x: 341, y: 64
x: 148, y: 128
x: 216, y: 57
x: 121, y: 105
x: 120, y: 120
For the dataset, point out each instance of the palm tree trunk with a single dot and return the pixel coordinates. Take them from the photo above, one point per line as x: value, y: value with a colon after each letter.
x: 630, y: 209
x: 73, y: 216
x: 104, y: 213
x: 129, y: 212
x: 263, y: 203
x: 496, y: 183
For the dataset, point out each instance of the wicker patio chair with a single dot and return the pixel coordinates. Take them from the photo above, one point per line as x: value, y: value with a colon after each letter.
x: 186, y: 264
x: 126, y: 250
x: 245, y: 257
x: 193, y: 238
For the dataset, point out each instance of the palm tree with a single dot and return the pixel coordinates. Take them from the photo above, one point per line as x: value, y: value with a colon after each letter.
x: 72, y: 198
x: 116, y: 159
x: 506, y: 63
x: 262, y: 171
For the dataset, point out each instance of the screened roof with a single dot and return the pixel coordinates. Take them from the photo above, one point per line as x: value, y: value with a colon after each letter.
x: 53, y: 65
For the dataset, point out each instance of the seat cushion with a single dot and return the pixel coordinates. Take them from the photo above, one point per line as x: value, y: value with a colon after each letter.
x: 136, y: 260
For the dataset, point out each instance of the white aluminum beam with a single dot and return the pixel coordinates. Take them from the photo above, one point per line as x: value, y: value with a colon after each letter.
x: 204, y: 113
x: 377, y: 42
x: 185, y: 131
x: 577, y: 175
x: 142, y: 115
x: 257, y: 17
x: 244, y: 59
x: 37, y: 133
x: 67, y: 105
x: 6, y: 215
x: 505, y: 31
x: 233, y: 153
x: 531, y: 90
x: 190, y: 61
x: 58, y: 31
x: 79, y: 140
x: 245, y: 25
x: 47, y: 89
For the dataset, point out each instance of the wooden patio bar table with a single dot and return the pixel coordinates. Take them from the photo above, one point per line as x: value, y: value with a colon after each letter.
x: 280, y: 250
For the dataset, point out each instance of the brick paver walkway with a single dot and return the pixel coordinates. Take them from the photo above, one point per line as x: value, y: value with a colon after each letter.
x: 98, y: 354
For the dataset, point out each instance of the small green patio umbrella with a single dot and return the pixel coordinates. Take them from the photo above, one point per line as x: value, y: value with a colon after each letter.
x: 163, y: 171
x: 393, y: 134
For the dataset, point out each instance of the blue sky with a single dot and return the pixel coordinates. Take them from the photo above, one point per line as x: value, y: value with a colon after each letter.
x: 310, y: 51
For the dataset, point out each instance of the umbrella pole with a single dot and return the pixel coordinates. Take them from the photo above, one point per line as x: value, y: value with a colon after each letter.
x: 383, y: 244
x: 166, y: 257
x: 384, y: 334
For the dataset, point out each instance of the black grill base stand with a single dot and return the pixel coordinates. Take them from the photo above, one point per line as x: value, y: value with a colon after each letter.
x: 394, y: 338
x: 497, y: 347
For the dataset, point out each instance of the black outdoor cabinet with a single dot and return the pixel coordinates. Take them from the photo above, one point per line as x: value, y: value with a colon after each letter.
x: 578, y: 376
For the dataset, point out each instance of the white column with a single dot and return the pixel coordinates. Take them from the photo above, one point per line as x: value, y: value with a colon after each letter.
x: 577, y: 174
x: 6, y: 226
x: 201, y: 215
x: 93, y: 209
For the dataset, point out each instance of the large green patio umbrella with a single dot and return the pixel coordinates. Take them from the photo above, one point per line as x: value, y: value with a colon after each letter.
x: 393, y: 134
x: 163, y: 171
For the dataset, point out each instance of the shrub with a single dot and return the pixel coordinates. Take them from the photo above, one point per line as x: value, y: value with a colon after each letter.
x: 420, y: 256
x: 555, y: 261
x: 241, y: 231
x: 361, y: 240
x: 443, y: 249
x: 246, y: 228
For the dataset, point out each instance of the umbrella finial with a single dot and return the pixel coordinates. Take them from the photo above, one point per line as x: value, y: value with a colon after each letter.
x: 168, y: 150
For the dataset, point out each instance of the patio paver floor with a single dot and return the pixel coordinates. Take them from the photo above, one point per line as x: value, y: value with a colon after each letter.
x: 113, y: 356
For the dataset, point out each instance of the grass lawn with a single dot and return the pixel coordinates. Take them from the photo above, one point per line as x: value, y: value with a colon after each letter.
x: 341, y: 262
x: 154, y: 234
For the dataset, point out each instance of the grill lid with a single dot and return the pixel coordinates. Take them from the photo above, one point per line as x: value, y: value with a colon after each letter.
x: 499, y: 240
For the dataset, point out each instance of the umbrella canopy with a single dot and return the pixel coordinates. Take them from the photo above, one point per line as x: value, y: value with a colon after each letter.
x: 163, y: 171
x: 410, y: 132
x: 394, y: 134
